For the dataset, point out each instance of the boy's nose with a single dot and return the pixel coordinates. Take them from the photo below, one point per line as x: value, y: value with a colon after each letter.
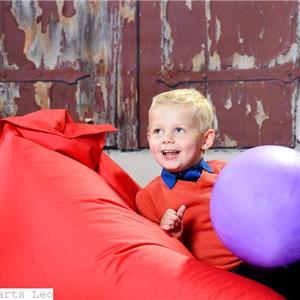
x: 168, y: 138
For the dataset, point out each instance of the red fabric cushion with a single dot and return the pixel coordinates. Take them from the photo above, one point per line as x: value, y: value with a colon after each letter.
x: 64, y: 226
x: 55, y: 129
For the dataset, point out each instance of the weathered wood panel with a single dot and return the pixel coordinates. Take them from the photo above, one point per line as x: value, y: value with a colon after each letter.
x: 197, y: 36
x: 97, y: 37
x: 101, y: 38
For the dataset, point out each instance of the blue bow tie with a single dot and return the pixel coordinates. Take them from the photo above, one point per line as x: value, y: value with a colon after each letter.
x: 191, y: 174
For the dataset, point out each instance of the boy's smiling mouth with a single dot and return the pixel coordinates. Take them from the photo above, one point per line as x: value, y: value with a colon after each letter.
x: 170, y: 153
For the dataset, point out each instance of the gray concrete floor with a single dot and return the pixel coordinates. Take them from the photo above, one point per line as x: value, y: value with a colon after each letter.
x: 142, y: 167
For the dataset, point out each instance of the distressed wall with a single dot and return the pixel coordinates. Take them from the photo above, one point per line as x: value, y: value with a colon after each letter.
x: 104, y: 60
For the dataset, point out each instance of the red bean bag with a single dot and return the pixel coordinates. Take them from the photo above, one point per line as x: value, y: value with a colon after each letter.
x: 68, y: 222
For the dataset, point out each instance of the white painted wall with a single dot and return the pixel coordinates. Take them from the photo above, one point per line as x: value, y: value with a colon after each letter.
x: 142, y: 167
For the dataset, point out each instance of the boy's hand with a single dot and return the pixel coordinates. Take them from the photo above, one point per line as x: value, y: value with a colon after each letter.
x: 172, y: 222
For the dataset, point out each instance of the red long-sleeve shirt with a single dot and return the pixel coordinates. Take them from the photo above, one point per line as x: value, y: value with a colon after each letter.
x: 198, y: 234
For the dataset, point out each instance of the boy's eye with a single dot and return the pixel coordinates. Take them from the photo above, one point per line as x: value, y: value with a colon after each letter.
x: 157, y: 131
x: 178, y: 130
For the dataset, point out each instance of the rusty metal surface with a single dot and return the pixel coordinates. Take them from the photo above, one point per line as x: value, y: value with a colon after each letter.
x: 244, y: 60
x: 49, y: 47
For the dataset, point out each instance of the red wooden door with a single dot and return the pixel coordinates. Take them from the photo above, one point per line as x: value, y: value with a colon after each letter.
x: 104, y: 60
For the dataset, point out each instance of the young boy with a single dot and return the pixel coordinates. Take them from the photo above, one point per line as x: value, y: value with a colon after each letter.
x: 179, y: 132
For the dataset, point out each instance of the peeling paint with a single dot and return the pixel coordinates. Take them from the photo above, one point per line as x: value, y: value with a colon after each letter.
x: 208, y: 18
x: 243, y: 61
x: 198, y: 61
x: 91, y: 37
x: 42, y: 94
x: 167, y: 41
x: 289, y: 56
x: 2, y: 90
x: 207, y: 11
x: 262, y: 33
x: 4, y: 55
x: 215, y: 62
x: 9, y: 109
x: 260, y: 115
x: 8, y: 93
x: 127, y: 10
x: 240, y: 39
x: 297, y: 123
x: 40, y: 48
x: 189, y: 3
x: 228, y: 103
x: 88, y: 37
x: 215, y: 118
x: 230, y: 142
x: 1, y: 103
x: 296, y: 97
x: 218, y: 30
x: 239, y: 96
x: 248, y: 109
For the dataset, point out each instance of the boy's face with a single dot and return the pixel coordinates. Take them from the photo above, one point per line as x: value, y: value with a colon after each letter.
x: 174, y: 137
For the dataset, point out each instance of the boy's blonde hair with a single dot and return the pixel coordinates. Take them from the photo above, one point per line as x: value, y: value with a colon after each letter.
x: 188, y: 97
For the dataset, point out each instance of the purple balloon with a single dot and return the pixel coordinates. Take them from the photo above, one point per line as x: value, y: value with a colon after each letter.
x: 255, y: 206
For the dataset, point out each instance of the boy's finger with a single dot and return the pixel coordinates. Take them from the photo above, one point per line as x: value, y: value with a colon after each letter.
x: 181, y: 211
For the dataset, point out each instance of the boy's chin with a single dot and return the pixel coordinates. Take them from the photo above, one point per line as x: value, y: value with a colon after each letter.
x: 173, y: 170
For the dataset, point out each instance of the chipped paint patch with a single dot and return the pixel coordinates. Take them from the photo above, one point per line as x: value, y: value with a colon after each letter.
x: 198, y: 61
x: 1, y: 103
x: 127, y: 11
x: 189, y: 3
x: 41, y: 95
x: 240, y: 39
x: 215, y: 118
x: 288, y: 57
x: 4, y: 55
x: 262, y: 33
x: 243, y: 61
x: 208, y: 18
x: 167, y: 41
x: 295, y: 112
x: 248, y: 109
x: 218, y: 30
x: 215, y: 62
x: 207, y: 11
x: 9, y: 108
x: 297, y: 125
x: 260, y: 115
x: 229, y: 142
x: 39, y: 48
x: 8, y: 92
x: 228, y: 103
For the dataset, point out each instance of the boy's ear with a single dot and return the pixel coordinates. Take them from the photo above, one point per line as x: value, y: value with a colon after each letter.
x: 208, y: 139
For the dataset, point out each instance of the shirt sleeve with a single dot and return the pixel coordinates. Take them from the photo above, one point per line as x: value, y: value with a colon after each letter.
x: 146, y: 207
